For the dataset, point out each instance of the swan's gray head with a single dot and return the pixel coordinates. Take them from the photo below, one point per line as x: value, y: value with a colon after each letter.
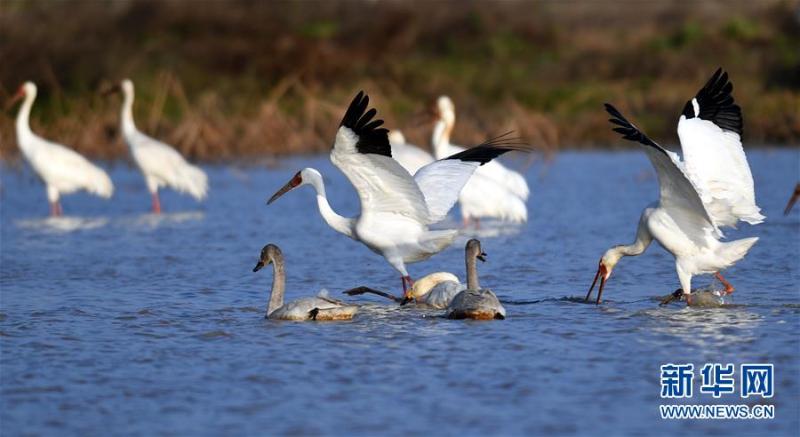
x: 269, y: 254
x: 474, y: 250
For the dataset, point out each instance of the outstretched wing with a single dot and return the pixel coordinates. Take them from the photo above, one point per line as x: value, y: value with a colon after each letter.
x: 362, y: 152
x: 678, y: 196
x: 709, y: 129
x: 441, y: 181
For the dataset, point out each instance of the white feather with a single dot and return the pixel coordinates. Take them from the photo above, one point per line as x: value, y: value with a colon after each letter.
x: 716, y: 164
x: 160, y: 164
x: 62, y: 169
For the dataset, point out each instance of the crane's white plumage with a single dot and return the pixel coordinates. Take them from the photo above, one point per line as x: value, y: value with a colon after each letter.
x: 411, y: 157
x: 494, y: 190
x: 396, y: 208
x: 62, y: 169
x: 160, y: 164
x: 716, y: 163
x: 711, y: 188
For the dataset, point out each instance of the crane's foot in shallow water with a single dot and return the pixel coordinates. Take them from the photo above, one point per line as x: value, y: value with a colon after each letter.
x: 728, y: 287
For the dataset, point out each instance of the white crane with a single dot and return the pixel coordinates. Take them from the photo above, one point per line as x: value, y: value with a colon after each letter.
x: 62, y: 170
x: 493, y: 191
x: 411, y: 157
x: 160, y: 164
x: 712, y: 187
x: 396, y: 209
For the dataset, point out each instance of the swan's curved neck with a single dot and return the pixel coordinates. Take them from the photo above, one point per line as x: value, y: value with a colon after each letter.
x: 23, y: 120
x: 278, y: 284
x: 472, y: 273
x: 441, y: 135
x: 341, y: 224
x: 128, y: 126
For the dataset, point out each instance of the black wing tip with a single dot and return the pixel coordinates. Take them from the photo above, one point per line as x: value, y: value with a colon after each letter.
x: 716, y: 103
x: 492, y: 148
x: 359, y: 118
x: 628, y: 130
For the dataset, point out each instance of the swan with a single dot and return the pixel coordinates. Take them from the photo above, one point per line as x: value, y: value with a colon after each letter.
x: 439, y: 290
x: 475, y: 302
x: 307, y: 308
x: 62, y: 169
x: 435, y: 290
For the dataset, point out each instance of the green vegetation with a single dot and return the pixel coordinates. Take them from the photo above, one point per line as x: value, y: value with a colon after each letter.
x: 238, y: 79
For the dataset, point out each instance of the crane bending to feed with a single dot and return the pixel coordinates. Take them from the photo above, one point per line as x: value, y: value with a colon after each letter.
x: 62, y: 169
x: 396, y: 208
x: 711, y: 188
x: 160, y: 164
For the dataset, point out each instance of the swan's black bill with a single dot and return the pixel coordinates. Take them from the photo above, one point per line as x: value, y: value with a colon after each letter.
x: 258, y: 266
x: 482, y: 256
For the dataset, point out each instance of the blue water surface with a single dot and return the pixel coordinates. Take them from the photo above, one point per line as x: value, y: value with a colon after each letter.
x: 116, y: 321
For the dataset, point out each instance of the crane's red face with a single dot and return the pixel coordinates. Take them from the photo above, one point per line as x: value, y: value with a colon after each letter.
x: 295, y: 182
x: 18, y: 96
x: 113, y: 89
x: 603, y: 272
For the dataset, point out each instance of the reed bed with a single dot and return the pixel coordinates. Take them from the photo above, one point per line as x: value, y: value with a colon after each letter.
x: 242, y: 80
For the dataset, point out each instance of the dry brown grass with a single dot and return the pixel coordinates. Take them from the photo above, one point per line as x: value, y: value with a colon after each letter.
x: 241, y: 79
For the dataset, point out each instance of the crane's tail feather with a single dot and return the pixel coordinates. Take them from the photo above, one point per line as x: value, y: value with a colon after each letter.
x: 99, y: 183
x: 437, y: 241
x: 733, y: 251
x: 194, y: 181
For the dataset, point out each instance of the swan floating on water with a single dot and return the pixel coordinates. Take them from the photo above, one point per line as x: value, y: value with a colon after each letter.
x: 475, y: 302
x: 442, y: 290
x: 308, y: 308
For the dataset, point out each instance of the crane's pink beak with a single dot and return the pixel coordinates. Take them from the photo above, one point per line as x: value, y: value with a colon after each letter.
x: 602, y: 273
x: 18, y: 96
x: 114, y: 89
x: 292, y: 184
x: 792, y: 200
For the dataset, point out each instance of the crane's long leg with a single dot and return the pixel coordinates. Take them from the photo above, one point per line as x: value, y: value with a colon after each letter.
x: 55, y: 209
x: 728, y: 287
x: 156, y: 203
x: 792, y: 200
x: 361, y: 290
x: 407, y: 280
